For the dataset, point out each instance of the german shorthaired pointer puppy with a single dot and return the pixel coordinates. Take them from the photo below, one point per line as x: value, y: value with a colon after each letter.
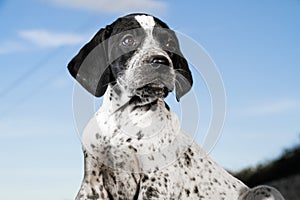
x: 134, y: 147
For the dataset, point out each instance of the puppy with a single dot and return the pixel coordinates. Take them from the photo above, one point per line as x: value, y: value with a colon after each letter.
x: 134, y: 147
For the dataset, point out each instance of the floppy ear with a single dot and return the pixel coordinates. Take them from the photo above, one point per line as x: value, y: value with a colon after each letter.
x: 184, y: 79
x: 90, y: 66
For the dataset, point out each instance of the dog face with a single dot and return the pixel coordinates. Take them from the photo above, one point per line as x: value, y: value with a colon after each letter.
x: 139, y: 53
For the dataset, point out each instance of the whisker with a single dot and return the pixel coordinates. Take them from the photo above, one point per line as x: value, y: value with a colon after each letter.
x: 180, y: 70
x: 110, y: 83
x: 121, y: 108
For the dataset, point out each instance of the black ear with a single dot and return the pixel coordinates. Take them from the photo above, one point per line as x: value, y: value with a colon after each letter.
x: 184, y: 79
x: 90, y: 66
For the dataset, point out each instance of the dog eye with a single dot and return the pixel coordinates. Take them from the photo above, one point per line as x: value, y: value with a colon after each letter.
x: 128, y: 41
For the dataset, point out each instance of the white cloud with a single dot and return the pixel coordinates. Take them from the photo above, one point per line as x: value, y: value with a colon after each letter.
x: 116, y: 6
x: 41, y: 38
x: 44, y: 38
x: 10, y: 47
x: 275, y: 107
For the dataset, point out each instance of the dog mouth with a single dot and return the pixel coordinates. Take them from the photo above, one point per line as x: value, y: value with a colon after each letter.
x: 149, y: 94
x: 152, y: 90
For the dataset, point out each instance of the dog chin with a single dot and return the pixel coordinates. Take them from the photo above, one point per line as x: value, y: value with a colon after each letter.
x: 149, y: 94
x: 153, y: 90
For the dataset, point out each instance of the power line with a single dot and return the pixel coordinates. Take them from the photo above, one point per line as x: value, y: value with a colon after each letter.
x: 30, y: 72
x: 39, y: 65
x: 28, y: 96
x: 26, y: 75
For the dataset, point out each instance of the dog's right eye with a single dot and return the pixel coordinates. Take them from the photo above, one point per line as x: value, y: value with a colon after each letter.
x: 128, y: 41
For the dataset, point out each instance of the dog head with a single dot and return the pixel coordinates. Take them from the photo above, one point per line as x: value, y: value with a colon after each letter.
x: 139, y: 53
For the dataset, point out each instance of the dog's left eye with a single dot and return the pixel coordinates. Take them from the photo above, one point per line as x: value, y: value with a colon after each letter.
x: 128, y: 41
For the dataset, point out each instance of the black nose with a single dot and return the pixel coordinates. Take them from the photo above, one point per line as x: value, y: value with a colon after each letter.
x: 159, y: 60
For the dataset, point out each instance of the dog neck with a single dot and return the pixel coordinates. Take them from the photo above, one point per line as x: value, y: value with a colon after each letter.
x: 138, y: 122
x: 148, y: 130
x: 117, y: 100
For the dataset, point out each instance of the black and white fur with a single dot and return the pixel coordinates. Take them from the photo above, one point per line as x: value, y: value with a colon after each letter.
x: 134, y: 147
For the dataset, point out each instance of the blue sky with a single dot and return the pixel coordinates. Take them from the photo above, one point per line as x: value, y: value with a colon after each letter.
x: 255, y: 46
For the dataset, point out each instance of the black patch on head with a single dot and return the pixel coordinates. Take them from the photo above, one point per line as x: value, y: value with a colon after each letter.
x: 124, y: 24
x: 118, y: 54
x: 169, y: 43
x: 159, y: 23
x: 91, y: 67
